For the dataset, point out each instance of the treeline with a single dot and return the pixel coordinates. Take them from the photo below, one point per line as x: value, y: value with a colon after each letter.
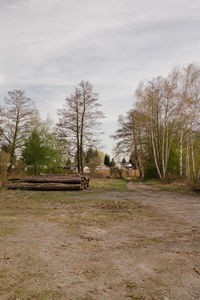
x: 160, y: 135
x: 26, y: 139
x: 162, y: 131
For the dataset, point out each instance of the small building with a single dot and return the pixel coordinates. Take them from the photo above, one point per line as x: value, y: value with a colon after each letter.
x: 127, y: 166
x: 102, y: 167
x: 86, y: 170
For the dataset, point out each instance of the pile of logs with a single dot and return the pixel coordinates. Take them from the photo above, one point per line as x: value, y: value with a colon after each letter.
x: 196, y: 188
x: 45, y: 182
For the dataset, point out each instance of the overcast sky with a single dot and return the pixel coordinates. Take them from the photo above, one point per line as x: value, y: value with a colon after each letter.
x: 48, y: 46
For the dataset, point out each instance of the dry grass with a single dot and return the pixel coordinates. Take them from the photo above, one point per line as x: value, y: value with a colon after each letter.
x: 175, y: 186
x: 96, y: 245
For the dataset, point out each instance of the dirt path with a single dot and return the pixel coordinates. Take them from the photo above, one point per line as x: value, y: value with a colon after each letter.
x: 177, y: 204
x: 139, y: 244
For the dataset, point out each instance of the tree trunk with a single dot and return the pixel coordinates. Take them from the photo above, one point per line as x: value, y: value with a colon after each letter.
x: 187, y: 160
x: 154, y: 154
x: 77, y: 140
x: 82, y: 132
x: 193, y: 161
x: 12, y: 153
x: 163, y: 151
x: 181, y: 154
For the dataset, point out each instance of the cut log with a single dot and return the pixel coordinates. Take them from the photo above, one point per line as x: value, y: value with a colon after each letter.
x: 47, y: 182
x: 50, y: 180
x: 25, y: 178
x: 44, y: 186
x: 196, y: 188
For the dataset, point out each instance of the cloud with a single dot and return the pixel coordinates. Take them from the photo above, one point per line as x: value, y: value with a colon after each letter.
x: 48, y: 47
x: 2, y: 78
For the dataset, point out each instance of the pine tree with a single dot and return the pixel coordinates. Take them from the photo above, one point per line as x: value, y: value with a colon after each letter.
x: 107, y: 160
x: 124, y: 160
x: 112, y: 164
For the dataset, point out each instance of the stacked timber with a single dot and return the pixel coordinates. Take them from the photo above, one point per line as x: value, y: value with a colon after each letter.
x: 196, y: 188
x: 60, y: 182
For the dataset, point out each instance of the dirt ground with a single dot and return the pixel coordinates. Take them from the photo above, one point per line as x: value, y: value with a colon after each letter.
x: 140, y: 243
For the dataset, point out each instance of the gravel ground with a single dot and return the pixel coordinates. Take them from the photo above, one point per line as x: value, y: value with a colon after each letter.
x: 139, y: 244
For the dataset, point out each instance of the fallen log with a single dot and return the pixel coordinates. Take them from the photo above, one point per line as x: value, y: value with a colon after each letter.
x: 49, y: 182
x: 74, y: 180
x: 44, y: 187
x: 43, y: 177
x: 196, y: 188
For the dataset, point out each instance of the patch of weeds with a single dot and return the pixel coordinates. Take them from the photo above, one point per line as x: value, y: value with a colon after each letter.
x: 7, y: 229
x: 8, y: 213
x: 55, y: 196
x: 40, y: 212
x: 114, y: 205
x: 91, y: 275
x: 131, y: 285
x: 4, y: 274
x: 85, y: 297
x: 135, y: 297
x: 124, y: 209
x: 173, y: 187
x: 157, y: 240
x: 158, y: 281
x: 24, y: 294
x: 121, y: 215
x: 148, y: 214
x: 151, y: 240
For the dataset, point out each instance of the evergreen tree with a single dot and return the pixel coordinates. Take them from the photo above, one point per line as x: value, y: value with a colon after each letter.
x: 39, y: 150
x: 112, y: 164
x: 93, y: 159
x: 133, y: 159
x: 89, y: 155
x: 123, y: 161
x: 68, y: 163
x: 107, y: 160
x: 34, y: 152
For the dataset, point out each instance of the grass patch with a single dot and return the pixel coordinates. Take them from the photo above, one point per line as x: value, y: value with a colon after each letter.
x: 135, y: 297
x: 148, y: 240
x: 131, y: 285
x: 180, y: 187
x: 56, y: 196
x: 24, y: 294
x: 37, y: 204
x: 6, y: 228
x: 158, y: 281
x: 124, y: 209
x: 109, y: 184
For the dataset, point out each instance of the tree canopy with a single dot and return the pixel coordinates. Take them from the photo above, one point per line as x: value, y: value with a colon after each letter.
x: 79, y: 121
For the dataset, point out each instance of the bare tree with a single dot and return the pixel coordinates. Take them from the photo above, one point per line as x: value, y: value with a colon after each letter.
x: 15, y: 119
x: 188, y: 115
x: 130, y: 137
x: 149, y: 129
x: 79, y: 121
x: 156, y: 100
x: 170, y: 110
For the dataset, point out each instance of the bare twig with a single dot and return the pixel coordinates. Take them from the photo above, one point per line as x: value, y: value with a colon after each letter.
x: 197, y: 271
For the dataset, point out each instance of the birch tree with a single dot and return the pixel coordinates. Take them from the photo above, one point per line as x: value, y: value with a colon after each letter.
x: 156, y: 100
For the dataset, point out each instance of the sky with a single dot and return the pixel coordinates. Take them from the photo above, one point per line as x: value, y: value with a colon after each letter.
x: 48, y: 46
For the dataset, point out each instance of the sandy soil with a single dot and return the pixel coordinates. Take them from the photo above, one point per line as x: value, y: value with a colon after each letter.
x: 139, y: 244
